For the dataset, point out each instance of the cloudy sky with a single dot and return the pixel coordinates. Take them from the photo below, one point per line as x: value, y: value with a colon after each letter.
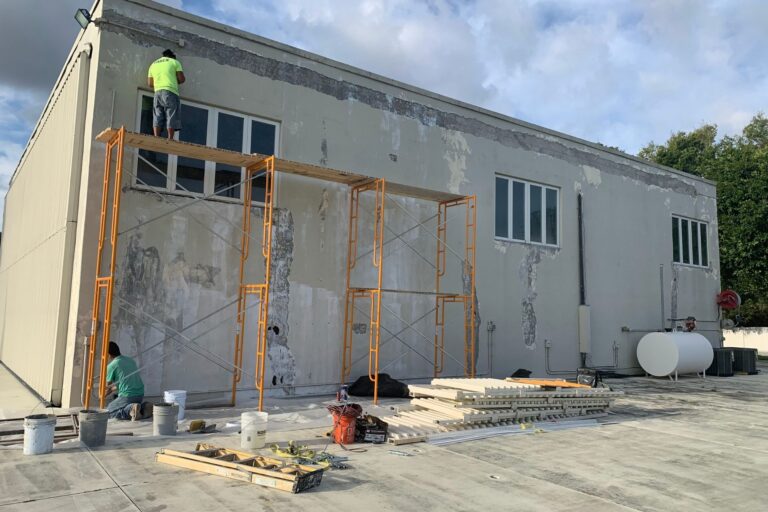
x: 619, y: 72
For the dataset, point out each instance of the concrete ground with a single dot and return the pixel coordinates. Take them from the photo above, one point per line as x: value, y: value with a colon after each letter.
x: 691, y: 445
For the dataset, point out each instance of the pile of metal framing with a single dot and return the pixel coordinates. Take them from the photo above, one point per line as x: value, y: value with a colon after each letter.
x: 453, y: 405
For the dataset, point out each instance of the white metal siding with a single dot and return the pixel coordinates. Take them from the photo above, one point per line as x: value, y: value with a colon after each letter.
x: 32, y: 261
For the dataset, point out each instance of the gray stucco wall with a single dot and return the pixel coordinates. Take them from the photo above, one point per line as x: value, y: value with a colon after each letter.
x: 174, y: 271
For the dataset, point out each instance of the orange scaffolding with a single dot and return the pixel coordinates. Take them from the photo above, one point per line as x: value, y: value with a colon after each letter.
x: 374, y: 294
x: 257, y: 165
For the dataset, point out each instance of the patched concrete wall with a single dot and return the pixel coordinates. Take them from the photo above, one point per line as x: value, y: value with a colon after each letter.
x: 175, y: 272
x: 747, y: 337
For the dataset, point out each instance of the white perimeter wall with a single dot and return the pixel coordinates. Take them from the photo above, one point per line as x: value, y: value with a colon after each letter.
x: 748, y: 337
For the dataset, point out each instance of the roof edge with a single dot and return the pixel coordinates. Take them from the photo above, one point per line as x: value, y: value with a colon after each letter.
x: 151, y: 4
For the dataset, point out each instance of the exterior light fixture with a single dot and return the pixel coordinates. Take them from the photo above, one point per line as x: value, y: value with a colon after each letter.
x: 83, y: 17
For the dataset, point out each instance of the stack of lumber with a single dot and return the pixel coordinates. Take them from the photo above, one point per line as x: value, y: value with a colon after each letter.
x: 454, y: 405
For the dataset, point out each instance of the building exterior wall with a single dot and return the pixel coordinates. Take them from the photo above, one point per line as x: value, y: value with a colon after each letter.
x: 40, y: 224
x: 175, y: 271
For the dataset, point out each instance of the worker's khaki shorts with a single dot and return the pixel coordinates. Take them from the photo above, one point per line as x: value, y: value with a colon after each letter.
x: 165, y: 110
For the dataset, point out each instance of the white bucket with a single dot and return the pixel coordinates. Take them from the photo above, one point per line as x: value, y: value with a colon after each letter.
x: 253, y: 430
x: 38, y: 433
x: 178, y: 397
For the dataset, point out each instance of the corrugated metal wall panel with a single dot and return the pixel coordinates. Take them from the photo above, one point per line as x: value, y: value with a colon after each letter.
x: 31, y: 265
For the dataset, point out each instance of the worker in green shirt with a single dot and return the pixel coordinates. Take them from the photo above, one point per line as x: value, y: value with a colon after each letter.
x: 123, y: 378
x: 165, y: 75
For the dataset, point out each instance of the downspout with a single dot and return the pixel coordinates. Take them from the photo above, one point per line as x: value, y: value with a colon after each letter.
x: 585, y: 323
x: 78, y: 145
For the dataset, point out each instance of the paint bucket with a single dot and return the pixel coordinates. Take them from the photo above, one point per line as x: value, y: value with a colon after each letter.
x: 164, y: 419
x: 344, y: 428
x: 253, y: 430
x: 93, y: 426
x: 38, y: 433
x: 178, y: 397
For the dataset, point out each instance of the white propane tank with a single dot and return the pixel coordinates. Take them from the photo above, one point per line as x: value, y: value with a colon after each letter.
x: 665, y: 353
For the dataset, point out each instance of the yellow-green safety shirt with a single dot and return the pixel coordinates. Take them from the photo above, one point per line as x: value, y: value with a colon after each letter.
x: 163, y: 72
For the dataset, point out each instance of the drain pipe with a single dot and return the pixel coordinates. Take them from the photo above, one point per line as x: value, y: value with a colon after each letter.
x: 490, y: 326
x: 86, y: 347
x: 661, y: 296
x: 585, y: 329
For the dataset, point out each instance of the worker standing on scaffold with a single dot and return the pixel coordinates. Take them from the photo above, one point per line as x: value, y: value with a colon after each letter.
x: 164, y: 76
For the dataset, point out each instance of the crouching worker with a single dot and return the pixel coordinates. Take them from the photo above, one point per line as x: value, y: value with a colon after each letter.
x: 123, y: 379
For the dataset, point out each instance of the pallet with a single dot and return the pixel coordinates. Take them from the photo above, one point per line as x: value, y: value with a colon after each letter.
x: 245, y: 467
x: 449, y: 406
x: 548, y: 383
x: 407, y: 431
x: 488, y: 387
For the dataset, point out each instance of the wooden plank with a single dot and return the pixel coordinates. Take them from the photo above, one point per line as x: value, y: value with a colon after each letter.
x: 234, y: 473
x: 175, y: 147
x: 549, y: 383
x: 490, y: 387
x: 199, y: 152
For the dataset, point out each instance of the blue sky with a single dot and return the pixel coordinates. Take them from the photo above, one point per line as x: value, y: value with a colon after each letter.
x: 619, y: 72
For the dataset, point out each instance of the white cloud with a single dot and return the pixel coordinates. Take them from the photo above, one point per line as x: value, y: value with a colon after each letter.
x: 620, y: 72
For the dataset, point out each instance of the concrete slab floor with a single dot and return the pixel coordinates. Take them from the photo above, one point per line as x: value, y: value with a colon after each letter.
x: 16, y: 399
x: 696, y: 444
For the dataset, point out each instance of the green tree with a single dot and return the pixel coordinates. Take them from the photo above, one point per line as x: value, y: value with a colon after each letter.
x: 739, y: 165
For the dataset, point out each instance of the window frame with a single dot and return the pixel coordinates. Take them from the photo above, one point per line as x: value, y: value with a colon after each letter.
x: 693, y: 231
x: 527, y: 211
x: 209, y: 177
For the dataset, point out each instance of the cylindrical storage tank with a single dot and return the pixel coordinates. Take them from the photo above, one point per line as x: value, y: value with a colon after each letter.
x: 664, y: 353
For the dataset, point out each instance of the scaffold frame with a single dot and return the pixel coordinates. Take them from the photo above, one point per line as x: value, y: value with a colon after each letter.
x: 358, y: 184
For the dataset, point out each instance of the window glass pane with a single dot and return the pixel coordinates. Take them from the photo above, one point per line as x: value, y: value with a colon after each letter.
x: 262, y: 138
x: 229, y: 135
x: 190, y: 172
x: 518, y: 210
x: 535, y: 213
x: 551, y: 216
x: 263, y: 143
x: 146, y: 174
x: 675, y: 239
x: 502, y: 207
x: 686, y: 241
x: 695, y: 242
x: 704, y: 255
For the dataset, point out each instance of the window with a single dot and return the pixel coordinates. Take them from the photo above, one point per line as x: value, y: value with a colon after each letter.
x: 212, y: 127
x: 527, y: 212
x: 689, y: 242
